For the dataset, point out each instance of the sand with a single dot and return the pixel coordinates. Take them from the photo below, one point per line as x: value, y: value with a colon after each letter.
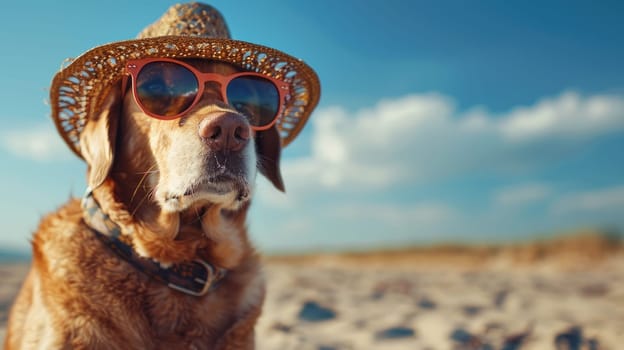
x: 360, y: 307
x: 443, y: 298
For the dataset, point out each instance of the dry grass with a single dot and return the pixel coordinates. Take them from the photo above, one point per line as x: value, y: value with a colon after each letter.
x: 579, y: 250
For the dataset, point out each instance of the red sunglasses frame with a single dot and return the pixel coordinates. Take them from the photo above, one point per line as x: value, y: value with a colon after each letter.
x: 133, y: 68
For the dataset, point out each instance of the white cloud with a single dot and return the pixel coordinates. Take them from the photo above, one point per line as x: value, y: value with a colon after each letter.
x: 602, y: 200
x: 423, y: 138
x: 521, y: 194
x: 39, y: 143
x: 568, y: 115
x: 366, y: 149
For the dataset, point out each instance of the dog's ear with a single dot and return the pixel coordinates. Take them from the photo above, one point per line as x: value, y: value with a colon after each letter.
x: 97, y: 140
x: 269, y: 148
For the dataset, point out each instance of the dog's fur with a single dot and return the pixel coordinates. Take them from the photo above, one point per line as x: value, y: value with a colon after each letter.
x: 176, y: 199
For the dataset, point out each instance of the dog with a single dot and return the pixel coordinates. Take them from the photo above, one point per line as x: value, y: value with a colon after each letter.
x: 179, y: 191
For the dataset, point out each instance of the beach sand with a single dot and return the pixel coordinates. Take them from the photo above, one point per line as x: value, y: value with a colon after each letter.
x: 561, y: 294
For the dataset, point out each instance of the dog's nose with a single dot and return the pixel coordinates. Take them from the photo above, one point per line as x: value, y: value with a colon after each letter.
x: 224, y: 131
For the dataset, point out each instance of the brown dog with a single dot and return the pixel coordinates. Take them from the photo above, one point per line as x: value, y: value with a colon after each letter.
x: 179, y: 191
x: 157, y: 254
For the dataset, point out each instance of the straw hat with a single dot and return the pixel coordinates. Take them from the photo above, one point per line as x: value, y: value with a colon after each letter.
x: 192, y: 30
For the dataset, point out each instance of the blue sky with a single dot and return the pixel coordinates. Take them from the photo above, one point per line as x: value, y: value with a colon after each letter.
x: 438, y: 121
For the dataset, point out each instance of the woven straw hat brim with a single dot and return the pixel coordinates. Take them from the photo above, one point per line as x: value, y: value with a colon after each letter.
x: 79, y: 89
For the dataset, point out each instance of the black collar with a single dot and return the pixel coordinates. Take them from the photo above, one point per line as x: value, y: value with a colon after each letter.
x: 196, y: 277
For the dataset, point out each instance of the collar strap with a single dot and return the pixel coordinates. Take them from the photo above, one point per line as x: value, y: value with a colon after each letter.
x: 194, y: 278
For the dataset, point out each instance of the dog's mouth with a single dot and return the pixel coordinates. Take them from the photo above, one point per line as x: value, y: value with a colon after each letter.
x: 227, y: 190
x: 220, y: 185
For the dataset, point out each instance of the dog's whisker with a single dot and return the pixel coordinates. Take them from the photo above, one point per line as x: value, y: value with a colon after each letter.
x: 148, y: 196
x: 148, y: 172
x: 145, y: 174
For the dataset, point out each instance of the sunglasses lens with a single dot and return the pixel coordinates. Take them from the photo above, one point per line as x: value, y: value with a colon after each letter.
x: 166, y: 88
x: 255, y: 97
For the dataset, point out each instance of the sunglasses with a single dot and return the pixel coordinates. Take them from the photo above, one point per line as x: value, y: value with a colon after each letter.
x: 167, y: 89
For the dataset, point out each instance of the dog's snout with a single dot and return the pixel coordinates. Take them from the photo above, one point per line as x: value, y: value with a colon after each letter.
x: 225, y: 132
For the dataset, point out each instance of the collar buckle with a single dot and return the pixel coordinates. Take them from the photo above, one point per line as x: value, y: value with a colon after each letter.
x: 211, y: 277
